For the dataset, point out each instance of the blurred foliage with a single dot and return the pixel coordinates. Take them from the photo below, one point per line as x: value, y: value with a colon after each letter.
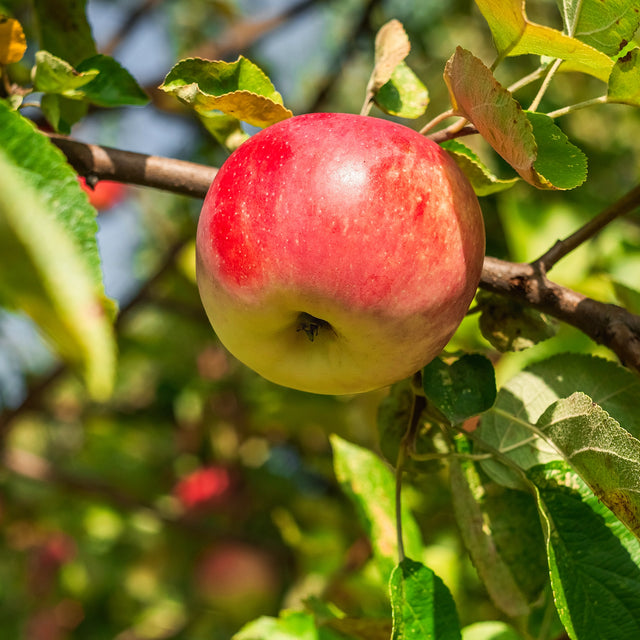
x: 96, y: 540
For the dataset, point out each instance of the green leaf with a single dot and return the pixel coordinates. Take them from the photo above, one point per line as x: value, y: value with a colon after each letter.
x: 514, y: 34
x: 624, y: 81
x: 510, y: 326
x: 239, y: 89
x: 361, y: 628
x: 54, y: 75
x: 484, y: 183
x: 64, y: 29
x: 370, y: 484
x: 606, y: 26
x: 461, y: 390
x: 47, y: 170
x: 495, y: 523
x: 558, y: 162
x: 114, y: 86
x: 492, y: 630
x: 62, y: 113
x: 44, y: 275
x: 593, y: 560
x: 606, y: 456
x: 476, y: 95
x: 291, y: 625
x: 422, y: 606
x: 628, y: 296
x: 522, y: 401
x: 403, y: 95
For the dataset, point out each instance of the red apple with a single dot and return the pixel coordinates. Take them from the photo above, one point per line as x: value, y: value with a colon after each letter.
x: 203, y: 487
x: 338, y: 253
x: 105, y: 194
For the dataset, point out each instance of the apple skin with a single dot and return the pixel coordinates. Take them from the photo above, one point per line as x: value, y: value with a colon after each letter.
x: 338, y: 253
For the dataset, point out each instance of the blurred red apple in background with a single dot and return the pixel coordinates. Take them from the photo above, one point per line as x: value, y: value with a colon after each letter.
x: 105, y: 194
x: 203, y: 487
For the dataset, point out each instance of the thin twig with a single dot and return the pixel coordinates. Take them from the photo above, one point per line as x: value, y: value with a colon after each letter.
x: 576, y: 107
x: 561, y: 248
x: 407, y: 443
x: 450, y: 113
x: 545, y: 85
x: 526, y: 80
x: 129, y: 24
x: 452, y: 132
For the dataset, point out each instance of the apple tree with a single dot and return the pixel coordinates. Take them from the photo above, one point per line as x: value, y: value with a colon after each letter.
x: 153, y: 486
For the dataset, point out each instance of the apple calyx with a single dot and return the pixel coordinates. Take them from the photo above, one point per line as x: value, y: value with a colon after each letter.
x: 312, y: 325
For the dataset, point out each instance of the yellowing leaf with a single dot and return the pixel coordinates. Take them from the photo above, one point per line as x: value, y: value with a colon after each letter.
x: 13, y: 44
x: 392, y: 46
x: 514, y: 34
x: 240, y: 89
x: 531, y: 143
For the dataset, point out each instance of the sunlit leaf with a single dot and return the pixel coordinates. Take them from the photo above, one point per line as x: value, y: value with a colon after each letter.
x: 291, y: 625
x: 524, y: 398
x: 422, y: 605
x: 403, y: 95
x: 492, y: 630
x: 594, y: 561
x: 45, y: 276
x: 51, y: 74
x: 239, y: 89
x: 392, y: 46
x: 606, y: 26
x: 624, y: 82
x: 606, y: 456
x: 114, y: 85
x: 514, y: 34
x: 530, y: 143
x: 47, y: 169
x: 462, y: 389
x: 370, y: 484
x: 13, y: 43
x: 64, y: 29
x: 484, y: 183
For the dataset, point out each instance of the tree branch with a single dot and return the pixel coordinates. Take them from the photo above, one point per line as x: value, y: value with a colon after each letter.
x: 106, y: 163
x: 606, y: 324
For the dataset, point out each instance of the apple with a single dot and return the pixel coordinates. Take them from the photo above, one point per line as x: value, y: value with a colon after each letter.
x: 105, y: 194
x: 338, y: 253
x: 203, y: 487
